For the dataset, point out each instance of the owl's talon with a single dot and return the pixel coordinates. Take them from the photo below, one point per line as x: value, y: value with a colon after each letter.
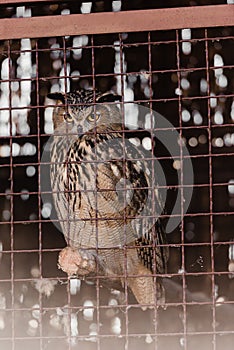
x: 75, y: 261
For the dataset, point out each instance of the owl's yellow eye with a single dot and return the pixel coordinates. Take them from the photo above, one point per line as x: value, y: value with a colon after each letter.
x: 68, y: 117
x: 93, y: 117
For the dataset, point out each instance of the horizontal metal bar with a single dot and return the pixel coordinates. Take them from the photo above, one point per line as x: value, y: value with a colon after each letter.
x: 29, y: 2
x: 24, y: 2
x: 118, y: 22
x: 50, y: 338
x: 163, y: 216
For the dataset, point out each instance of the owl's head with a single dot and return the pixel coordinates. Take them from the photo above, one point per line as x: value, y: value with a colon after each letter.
x: 80, y: 112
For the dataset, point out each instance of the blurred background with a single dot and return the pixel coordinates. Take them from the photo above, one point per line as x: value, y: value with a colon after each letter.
x: 186, y: 76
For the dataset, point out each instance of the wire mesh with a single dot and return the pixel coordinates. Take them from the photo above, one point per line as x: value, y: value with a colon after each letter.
x: 186, y: 76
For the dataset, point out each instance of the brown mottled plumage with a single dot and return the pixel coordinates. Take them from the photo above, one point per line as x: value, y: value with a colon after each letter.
x: 101, y: 184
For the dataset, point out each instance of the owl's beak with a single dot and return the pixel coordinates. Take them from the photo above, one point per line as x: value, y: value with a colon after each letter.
x: 79, y: 129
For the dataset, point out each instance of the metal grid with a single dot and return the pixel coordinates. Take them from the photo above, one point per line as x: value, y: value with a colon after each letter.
x: 200, y: 267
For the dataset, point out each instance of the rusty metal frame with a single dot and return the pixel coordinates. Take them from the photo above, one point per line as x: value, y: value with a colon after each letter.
x: 129, y: 21
x: 117, y: 22
x: 24, y: 2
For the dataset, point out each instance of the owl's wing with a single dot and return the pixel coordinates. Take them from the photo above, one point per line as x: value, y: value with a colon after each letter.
x: 153, y: 251
x: 150, y: 237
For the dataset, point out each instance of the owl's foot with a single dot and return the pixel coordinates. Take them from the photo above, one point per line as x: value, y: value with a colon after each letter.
x: 75, y: 261
x: 146, y: 290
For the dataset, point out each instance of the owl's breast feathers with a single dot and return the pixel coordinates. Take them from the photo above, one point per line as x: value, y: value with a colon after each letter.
x: 110, y: 183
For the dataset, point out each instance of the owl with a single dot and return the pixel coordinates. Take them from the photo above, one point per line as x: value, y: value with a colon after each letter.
x: 105, y: 194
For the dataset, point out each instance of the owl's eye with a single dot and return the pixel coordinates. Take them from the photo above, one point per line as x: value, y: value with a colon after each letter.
x: 68, y: 117
x: 93, y: 117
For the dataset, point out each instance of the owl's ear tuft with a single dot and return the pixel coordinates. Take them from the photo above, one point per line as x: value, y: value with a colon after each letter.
x: 57, y: 96
x: 108, y: 97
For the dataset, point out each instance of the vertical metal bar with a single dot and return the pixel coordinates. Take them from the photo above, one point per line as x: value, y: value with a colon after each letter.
x: 39, y: 186
x: 67, y: 139
x: 154, y: 233
x: 96, y: 201
x: 68, y: 211
x: 126, y: 249
x: 182, y: 193
x: 11, y: 202
x: 210, y: 193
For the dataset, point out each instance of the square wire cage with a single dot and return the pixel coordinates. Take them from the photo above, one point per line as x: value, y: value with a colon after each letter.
x: 177, y: 62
